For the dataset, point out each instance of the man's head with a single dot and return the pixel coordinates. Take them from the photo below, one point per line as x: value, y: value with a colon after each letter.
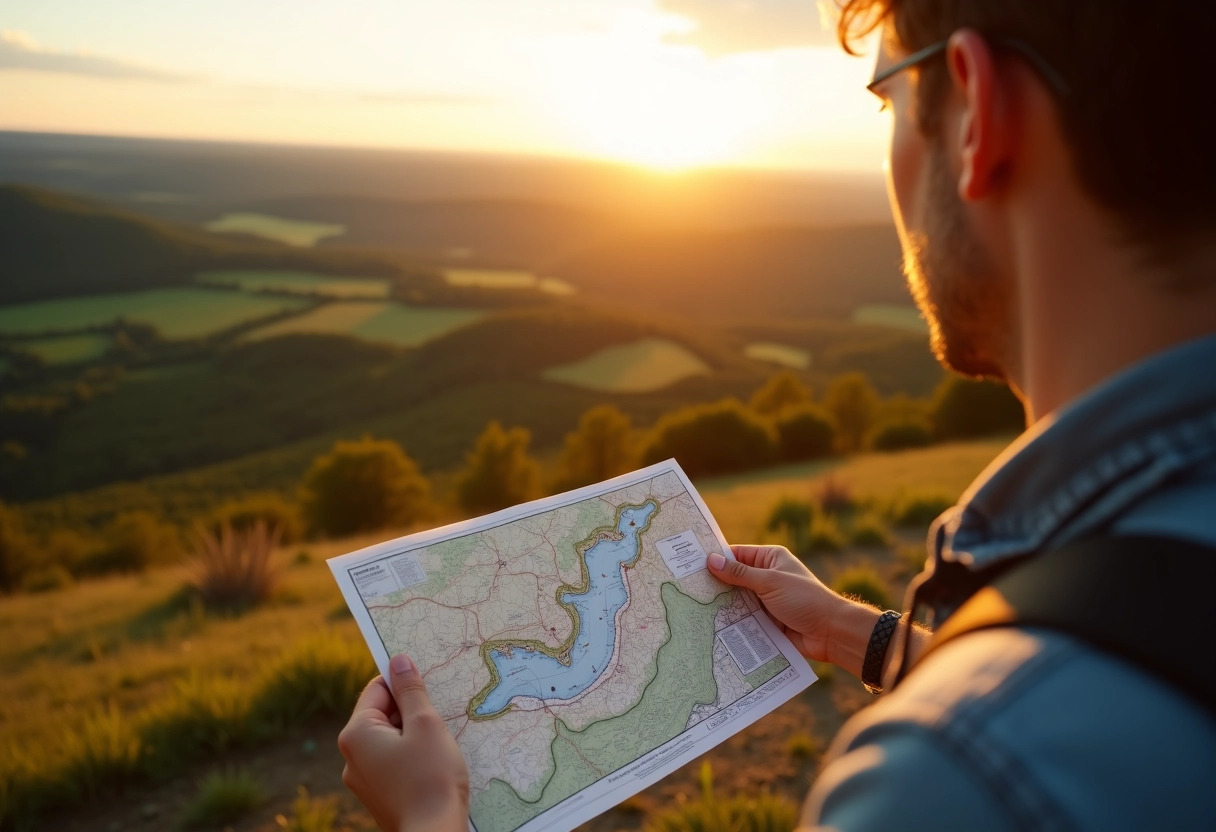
x: 1124, y: 85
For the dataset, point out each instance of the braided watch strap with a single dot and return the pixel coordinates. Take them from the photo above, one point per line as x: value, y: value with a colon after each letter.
x: 876, y: 650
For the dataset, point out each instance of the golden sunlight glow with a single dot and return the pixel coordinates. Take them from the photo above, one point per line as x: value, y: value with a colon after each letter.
x: 656, y: 113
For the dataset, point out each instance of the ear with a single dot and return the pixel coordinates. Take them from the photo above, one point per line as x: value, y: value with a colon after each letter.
x: 983, y: 127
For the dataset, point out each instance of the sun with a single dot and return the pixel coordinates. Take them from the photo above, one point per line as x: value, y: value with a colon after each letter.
x: 654, y: 114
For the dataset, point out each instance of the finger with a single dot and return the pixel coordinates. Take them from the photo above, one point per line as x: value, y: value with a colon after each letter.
x: 375, y: 702
x: 408, y: 688
x: 748, y: 554
x: 736, y: 573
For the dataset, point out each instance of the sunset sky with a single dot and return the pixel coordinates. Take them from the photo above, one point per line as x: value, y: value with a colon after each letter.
x: 663, y: 83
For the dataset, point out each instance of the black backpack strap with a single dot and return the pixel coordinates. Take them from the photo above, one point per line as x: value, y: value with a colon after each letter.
x: 1143, y: 599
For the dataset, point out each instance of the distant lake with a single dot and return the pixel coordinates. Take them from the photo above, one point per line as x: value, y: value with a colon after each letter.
x: 387, y: 322
x: 896, y: 316
x: 506, y: 279
x: 176, y: 313
x: 299, y: 233
x: 304, y: 283
x: 645, y: 365
x: 782, y: 354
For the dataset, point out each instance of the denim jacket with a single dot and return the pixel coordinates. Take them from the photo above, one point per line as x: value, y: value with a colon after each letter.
x: 1025, y: 729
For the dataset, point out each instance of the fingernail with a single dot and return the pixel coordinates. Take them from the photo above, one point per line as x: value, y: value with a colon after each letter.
x: 716, y: 562
x: 401, y: 664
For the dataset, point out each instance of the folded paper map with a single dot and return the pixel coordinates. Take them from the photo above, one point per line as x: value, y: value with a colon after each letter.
x: 576, y: 646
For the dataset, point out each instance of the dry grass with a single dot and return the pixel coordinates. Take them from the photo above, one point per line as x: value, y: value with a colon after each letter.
x: 232, y: 568
x: 99, y: 680
x: 741, y: 502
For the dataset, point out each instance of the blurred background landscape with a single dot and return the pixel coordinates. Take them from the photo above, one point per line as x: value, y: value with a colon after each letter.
x: 233, y: 344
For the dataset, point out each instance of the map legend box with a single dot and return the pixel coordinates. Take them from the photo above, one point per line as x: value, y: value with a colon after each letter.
x: 748, y: 645
x: 682, y: 553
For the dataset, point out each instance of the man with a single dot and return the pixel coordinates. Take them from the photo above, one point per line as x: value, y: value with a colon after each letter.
x: 1053, y: 176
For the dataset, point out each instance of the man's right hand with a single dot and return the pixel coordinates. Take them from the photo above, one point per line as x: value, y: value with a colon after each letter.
x: 824, y: 626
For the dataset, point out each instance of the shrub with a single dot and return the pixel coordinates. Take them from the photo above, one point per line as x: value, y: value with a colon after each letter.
x: 713, y: 439
x: 232, y: 568
x: 851, y: 401
x: 223, y: 797
x: 963, y: 408
x: 824, y: 536
x: 917, y: 509
x: 134, y: 541
x: 898, y: 436
x: 365, y: 485
x: 865, y: 583
x: 270, y: 508
x: 598, y: 450
x: 869, y: 531
x: 782, y: 391
x: 805, y: 432
x: 498, y: 471
x: 835, y: 496
x: 15, y: 552
x: 310, y: 814
x: 46, y: 579
x: 763, y: 812
x: 794, y: 516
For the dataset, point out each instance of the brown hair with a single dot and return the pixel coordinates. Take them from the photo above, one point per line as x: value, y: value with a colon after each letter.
x: 1136, y: 117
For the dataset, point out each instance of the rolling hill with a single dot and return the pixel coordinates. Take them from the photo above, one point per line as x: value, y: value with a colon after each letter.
x: 57, y: 245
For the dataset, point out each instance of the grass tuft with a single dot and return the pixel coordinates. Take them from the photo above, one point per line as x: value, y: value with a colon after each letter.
x: 869, y: 532
x: 802, y: 746
x: 863, y: 582
x: 763, y: 812
x: 232, y: 567
x: 310, y: 814
x: 223, y: 797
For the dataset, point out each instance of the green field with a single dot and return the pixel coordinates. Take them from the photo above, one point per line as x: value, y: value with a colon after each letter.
x: 387, y: 322
x: 176, y: 313
x: 301, y: 283
x: 67, y: 349
x: 896, y: 316
x: 506, y: 279
x: 781, y: 354
x: 292, y: 232
x: 640, y: 367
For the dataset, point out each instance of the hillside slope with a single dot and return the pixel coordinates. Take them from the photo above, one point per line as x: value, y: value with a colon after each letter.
x: 58, y: 245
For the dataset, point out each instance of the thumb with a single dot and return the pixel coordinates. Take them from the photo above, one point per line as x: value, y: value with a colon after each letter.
x: 731, y: 571
x: 408, y: 688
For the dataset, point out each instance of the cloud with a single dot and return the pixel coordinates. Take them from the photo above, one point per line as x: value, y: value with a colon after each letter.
x: 20, y: 51
x: 728, y: 26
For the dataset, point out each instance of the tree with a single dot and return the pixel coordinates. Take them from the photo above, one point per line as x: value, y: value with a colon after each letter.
x: 805, y: 432
x: 713, y: 439
x: 852, y: 402
x: 14, y: 549
x: 599, y: 449
x: 363, y: 485
x: 782, y: 391
x: 498, y: 471
x: 963, y: 408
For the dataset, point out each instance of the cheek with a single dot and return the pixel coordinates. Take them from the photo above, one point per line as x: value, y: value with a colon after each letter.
x: 903, y: 169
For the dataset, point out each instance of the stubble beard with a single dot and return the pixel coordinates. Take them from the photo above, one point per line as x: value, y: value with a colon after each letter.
x: 952, y: 279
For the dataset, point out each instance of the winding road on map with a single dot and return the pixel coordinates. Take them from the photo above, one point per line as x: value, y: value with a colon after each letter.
x: 524, y: 671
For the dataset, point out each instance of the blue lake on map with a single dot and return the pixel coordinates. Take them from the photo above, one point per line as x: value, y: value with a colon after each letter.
x: 523, y: 672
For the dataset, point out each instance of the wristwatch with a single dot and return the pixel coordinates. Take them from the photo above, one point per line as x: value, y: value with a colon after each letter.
x: 876, y: 650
